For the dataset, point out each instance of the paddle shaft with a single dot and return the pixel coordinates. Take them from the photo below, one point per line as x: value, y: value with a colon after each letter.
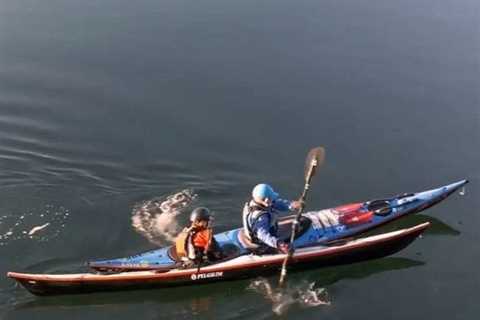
x: 295, y: 222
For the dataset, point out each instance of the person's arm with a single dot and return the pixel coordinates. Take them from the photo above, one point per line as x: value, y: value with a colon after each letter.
x: 282, y: 205
x: 286, y: 205
x: 261, y: 230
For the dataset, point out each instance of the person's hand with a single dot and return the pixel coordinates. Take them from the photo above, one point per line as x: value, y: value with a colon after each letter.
x: 283, y: 247
x: 297, y: 204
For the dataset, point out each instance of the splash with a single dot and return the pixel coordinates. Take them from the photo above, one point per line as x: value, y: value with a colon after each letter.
x: 304, y: 294
x: 155, y: 219
x: 40, y: 225
x: 38, y: 228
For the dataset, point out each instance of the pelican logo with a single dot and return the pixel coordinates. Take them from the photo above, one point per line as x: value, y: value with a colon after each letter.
x: 198, y: 276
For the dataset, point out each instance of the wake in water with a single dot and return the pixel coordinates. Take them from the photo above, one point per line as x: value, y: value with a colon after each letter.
x: 39, y: 225
x: 304, y: 294
x: 155, y: 219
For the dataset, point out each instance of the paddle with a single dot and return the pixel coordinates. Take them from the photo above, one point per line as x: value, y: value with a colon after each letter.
x: 315, y: 158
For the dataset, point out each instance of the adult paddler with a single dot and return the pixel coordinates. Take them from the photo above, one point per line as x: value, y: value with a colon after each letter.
x: 260, y: 218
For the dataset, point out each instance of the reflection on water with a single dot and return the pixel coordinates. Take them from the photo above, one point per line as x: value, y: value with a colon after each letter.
x: 200, y: 305
x: 304, y: 294
x: 198, y: 298
x: 330, y: 275
x: 309, y: 289
x: 437, y: 227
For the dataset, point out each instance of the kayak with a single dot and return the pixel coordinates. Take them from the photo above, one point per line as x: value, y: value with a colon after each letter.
x: 244, y: 266
x: 316, y: 227
x: 324, y: 238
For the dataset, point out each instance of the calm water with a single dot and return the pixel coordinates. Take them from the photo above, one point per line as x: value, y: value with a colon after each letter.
x: 104, y: 104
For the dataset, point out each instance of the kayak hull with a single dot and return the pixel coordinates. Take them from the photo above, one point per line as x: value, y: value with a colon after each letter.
x: 324, y: 226
x: 247, y: 266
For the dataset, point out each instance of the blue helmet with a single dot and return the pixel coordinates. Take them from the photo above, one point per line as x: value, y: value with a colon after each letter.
x: 263, y: 191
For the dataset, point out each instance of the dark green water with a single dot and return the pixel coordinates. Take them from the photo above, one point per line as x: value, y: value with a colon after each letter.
x: 107, y: 103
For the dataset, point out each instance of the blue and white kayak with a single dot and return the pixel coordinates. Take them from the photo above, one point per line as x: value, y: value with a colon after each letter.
x: 316, y: 228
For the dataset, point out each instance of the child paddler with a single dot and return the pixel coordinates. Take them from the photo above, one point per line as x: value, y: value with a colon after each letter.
x: 196, y: 244
x: 260, y: 218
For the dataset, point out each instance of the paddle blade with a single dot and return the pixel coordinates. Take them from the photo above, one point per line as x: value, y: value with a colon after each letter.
x: 315, y: 159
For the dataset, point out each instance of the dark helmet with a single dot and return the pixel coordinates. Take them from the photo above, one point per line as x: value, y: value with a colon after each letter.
x: 200, y: 214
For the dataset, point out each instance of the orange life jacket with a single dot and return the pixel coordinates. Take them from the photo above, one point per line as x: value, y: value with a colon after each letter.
x: 202, y: 239
x: 191, y: 240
